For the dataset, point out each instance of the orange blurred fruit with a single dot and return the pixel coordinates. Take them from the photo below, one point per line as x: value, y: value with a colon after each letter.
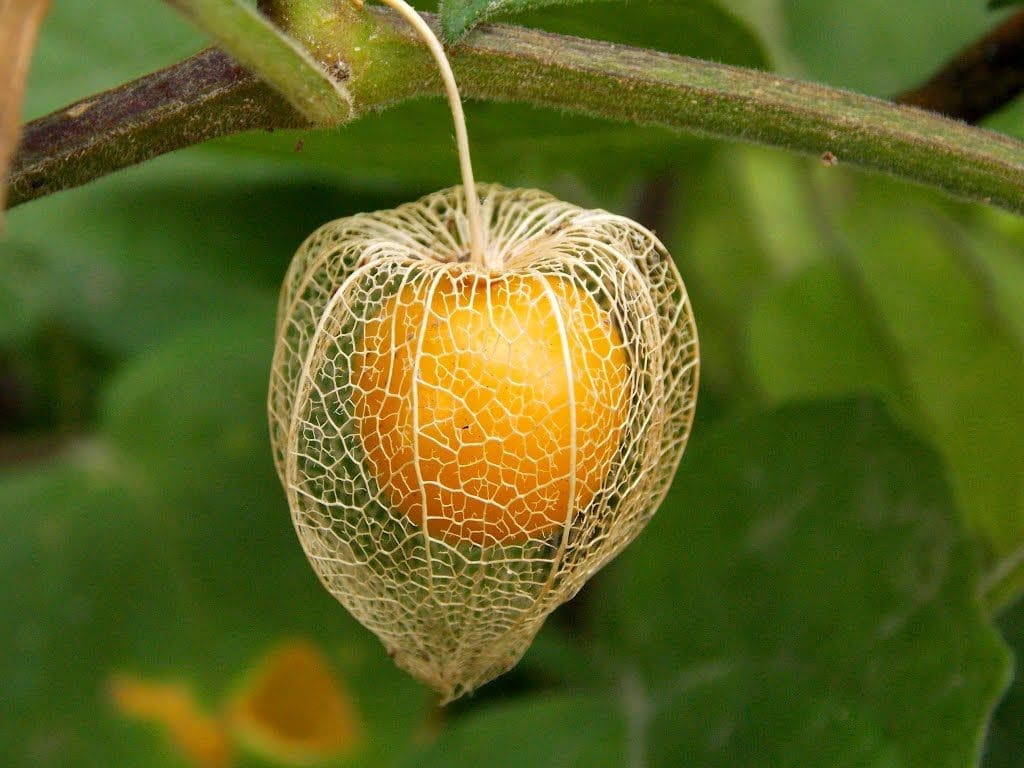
x: 492, y: 406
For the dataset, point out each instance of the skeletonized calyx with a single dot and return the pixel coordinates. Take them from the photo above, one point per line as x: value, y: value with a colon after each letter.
x: 464, y: 446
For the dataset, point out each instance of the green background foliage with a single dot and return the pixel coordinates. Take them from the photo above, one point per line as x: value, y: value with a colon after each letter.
x: 809, y: 592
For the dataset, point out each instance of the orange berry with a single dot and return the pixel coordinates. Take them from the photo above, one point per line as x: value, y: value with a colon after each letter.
x: 491, y: 405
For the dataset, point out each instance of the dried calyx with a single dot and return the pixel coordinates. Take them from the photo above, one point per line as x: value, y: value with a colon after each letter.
x: 464, y: 442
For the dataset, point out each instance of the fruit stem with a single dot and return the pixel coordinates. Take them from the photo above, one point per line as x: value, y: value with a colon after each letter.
x: 477, y: 245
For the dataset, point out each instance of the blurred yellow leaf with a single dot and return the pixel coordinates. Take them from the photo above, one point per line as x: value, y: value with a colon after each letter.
x: 294, y: 710
x: 199, y: 736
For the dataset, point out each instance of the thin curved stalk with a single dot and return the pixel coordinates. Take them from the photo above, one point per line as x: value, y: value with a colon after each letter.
x: 477, y: 234
x: 386, y: 64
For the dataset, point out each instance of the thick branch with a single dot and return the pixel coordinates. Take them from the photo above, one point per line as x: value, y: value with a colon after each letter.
x: 980, y: 79
x: 206, y: 96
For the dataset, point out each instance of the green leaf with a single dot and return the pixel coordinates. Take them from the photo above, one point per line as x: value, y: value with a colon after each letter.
x: 218, y: 434
x: 928, y: 314
x: 1003, y: 3
x: 180, y: 241
x: 79, y: 54
x: 22, y: 295
x: 459, y: 16
x: 587, y: 160
x: 805, y: 597
x: 666, y: 26
x: 85, y: 590
x: 729, y: 253
x: 1005, y: 747
x: 163, y: 548
x: 877, y: 47
x: 810, y: 337
x: 537, y: 731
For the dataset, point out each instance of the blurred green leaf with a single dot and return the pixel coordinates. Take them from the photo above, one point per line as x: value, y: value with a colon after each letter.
x: 804, y: 597
x: 919, y: 310
x: 962, y: 361
x: 1005, y: 747
x: 459, y: 16
x: 89, y: 582
x: 703, y: 29
x: 536, y: 731
x: 736, y: 224
x: 699, y: 28
x: 21, y: 295
x: 124, y: 277
x: 165, y: 549
x: 810, y: 338
x: 590, y: 161
x: 81, y: 52
x: 992, y: 244
x: 183, y: 240
x: 878, y: 47
x: 213, y: 433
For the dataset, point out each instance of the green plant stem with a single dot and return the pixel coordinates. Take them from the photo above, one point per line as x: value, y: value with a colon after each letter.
x: 252, y: 40
x: 384, y: 64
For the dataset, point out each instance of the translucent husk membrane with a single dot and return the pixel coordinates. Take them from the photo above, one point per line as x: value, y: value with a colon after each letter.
x: 387, y: 476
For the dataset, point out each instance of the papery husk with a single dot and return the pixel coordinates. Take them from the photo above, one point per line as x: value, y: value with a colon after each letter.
x: 454, y: 612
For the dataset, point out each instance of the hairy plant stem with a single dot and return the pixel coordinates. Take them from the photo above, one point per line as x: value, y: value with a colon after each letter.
x: 384, y: 63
